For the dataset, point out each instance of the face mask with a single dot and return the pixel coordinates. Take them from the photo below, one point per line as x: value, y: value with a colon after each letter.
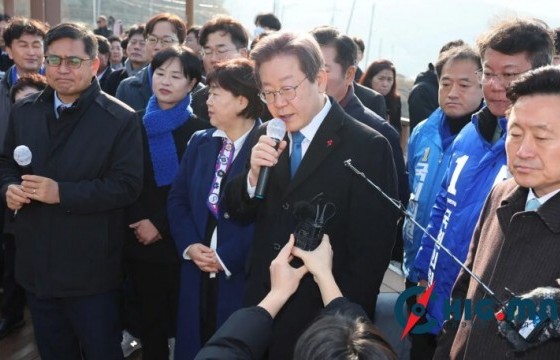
x: 258, y: 30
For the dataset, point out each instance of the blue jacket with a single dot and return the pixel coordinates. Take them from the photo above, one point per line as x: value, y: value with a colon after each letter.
x: 427, y: 163
x: 475, y: 166
x: 188, y: 218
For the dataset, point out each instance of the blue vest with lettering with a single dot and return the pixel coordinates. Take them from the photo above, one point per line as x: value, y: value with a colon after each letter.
x: 474, y: 167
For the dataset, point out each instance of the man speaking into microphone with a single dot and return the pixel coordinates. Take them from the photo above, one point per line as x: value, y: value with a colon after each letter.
x: 309, y: 164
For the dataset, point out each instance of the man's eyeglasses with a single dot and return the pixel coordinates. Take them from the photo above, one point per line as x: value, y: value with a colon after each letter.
x: 286, y: 92
x: 72, y: 62
x: 165, y: 41
x: 218, y: 51
x: 505, y: 79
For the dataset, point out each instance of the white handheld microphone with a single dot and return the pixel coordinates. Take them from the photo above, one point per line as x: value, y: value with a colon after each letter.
x: 23, y: 156
x: 275, y: 129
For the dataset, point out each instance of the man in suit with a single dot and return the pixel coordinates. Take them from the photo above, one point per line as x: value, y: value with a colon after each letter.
x: 69, y: 221
x: 103, y: 53
x: 517, y: 239
x: 339, y: 52
x: 321, y: 136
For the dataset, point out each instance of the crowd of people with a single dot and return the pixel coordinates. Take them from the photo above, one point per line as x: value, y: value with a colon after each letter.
x: 147, y: 203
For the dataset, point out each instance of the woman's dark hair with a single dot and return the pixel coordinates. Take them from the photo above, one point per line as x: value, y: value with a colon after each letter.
x: 33, y: 80
x: 190, y: 62
x: 392, y: 99
x: 238, y: 77
x: 341, y: 337
x: 178, y: 24
x: 375, y: 68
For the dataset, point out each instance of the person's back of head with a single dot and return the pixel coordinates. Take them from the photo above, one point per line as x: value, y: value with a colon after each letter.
x: 268, y: 21
x: 515, y: 36
x: 541, y: 81
x: 103, y: 45
x: 340, y: 337
x: 27, y: 84
x: 451, y: 44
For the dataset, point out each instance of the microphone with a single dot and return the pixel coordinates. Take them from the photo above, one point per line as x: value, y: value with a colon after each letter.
x: 22, y: 156
x: 275, y: 129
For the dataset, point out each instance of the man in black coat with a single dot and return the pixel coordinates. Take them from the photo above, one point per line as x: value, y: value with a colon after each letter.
x: 291, y: 71
x: 69, y: 223
x: 339, y: 52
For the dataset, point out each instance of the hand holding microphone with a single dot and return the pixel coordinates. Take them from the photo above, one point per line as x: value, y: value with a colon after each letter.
x: 16, y: 196
x: 265, y: 154
x: 32, y: 187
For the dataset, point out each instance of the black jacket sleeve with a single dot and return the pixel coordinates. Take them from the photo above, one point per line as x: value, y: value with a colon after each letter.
x: 245, y: 335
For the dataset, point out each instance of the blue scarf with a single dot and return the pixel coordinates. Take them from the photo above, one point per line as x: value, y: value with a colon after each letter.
x: 159, y: 125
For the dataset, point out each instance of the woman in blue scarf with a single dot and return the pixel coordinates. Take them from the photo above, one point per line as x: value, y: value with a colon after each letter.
x: 213, y: 247
x: 152, y: 262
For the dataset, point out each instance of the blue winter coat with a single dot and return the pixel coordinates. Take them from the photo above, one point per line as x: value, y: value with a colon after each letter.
x: 427, y: 163
x: 475, y: 166
x: 188, y: 217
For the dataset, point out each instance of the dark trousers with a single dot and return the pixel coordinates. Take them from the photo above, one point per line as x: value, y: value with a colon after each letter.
x: 423, y: 346
x: 157, y: 289
x: 66, y: 328
x: 13, y: 300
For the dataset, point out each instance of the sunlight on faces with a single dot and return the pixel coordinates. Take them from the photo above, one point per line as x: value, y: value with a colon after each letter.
x: 27, y: 52
x: 70, y: 83
x: 223, y: 108
x: 170, y: 85
x: 284, y: 70
x: 459, y: 92
x: 383, y: 81
x: 161, y: 30
x: 219, y: 47
x: 533, y: 142
x: 498, y: 63
x: 338, y: 81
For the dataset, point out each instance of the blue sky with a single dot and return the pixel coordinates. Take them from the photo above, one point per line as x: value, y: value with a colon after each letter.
x: 408, y: 32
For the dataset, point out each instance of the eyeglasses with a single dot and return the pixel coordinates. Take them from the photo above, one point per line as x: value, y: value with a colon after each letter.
x: 165, y: 41
x: 72, y: 62
x: 218, y: 51
x: 286, y: 92
x: 505, y: 79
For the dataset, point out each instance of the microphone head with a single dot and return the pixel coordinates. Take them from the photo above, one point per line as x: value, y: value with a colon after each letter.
x: 22, y: 155
x: 276, y: 129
